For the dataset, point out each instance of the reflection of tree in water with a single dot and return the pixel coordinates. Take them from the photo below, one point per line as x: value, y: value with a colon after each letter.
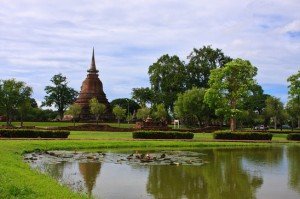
x: 56, y: 170
x: 90, y: 171
x: 267, y: 156
x: 224, y: 177
x: 294, y: 167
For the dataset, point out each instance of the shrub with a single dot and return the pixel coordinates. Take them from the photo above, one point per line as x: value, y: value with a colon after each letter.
x: 162, y: 135
x: 27, y: 133
x: 242, y: 135
x: 293, y: 136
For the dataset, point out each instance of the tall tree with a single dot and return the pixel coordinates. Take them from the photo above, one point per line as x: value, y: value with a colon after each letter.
x: 59, y: 94
x: 130, y: 105
x: 119, y: 112
x: 167, y: 78
x: 293, y: 110
x: 201, y: 62
x: 96, y: 108
x: 13, y: 94
x: 190, y: 104
x: 74, y: 110
x: 294, y: 92
x: 274, y: 109
x: 229, y: 87
x: 143, y: 95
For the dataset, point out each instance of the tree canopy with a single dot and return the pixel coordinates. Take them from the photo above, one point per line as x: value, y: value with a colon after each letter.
x: 96, y: 108
x: 126, y: 103
x: 274, y: 109
x: 229, y: 87
x: 167, y: 79
x: 201, y: 62
x: 190, y: 106
x: 74, y: 110
x: 59, y: 94
x: 13, y: 95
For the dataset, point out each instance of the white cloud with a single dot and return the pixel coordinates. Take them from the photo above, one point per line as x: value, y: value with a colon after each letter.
x: 41, y: 38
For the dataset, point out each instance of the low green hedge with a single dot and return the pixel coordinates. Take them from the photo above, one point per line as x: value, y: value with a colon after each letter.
x: 162, y: 135
x: 27, y: 133
x: 293, y: 136
x: 226, y: 135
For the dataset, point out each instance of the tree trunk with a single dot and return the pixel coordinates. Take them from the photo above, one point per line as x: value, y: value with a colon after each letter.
x: 232, y: 124
x: 21, y: 120
x: 119, y: 122
x: 275, y: 122
x: 298, y: 122
x: 74, y: 121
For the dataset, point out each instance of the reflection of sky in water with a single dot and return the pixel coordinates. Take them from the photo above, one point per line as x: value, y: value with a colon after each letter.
x: 231, y: 173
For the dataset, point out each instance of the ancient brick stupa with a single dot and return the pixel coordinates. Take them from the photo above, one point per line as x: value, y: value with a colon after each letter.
x: 92, y: 87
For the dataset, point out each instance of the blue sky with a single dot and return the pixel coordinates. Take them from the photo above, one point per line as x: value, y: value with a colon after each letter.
x: 41, y: 38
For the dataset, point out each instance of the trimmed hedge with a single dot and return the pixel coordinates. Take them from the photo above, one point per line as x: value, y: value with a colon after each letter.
x: 27, y: 133
x: 162, y: 135
x: 293, y: 136
x: 226, y: 135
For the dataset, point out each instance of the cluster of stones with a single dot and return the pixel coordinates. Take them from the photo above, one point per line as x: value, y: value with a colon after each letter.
x: 162, y: 158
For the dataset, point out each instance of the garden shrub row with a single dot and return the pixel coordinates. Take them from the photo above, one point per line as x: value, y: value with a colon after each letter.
x: 227, y: 135
x: 162, y: 135
x: 28, y: 133
x: 293, y: 136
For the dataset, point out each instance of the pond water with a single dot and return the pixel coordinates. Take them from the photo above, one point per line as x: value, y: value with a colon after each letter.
x: 209, y: 173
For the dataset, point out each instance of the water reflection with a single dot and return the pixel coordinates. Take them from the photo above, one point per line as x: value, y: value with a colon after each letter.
x: 230, y: 173
x: 294, y: 167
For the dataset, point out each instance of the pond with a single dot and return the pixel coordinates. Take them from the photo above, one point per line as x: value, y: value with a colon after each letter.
x: 272, y: 172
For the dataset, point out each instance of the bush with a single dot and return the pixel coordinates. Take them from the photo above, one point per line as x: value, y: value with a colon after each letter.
x: 242, y: 135
x: 27, y: 133
x: 162, y: 135
x: 293, y: 136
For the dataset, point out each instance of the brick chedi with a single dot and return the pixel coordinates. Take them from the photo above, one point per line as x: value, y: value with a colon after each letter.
x: 92, y: 87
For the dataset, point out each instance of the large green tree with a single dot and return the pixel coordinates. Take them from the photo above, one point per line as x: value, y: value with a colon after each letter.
x: 294, y: 93
x: 190, y: 105
x: 201, y: 62
x: 167, y: 78
x: 293, y: 110
x: 13, y: 95
x: 229, y: 87
x: 274, y: 109
x: 143, y: 95
x: 59, y: 94
x: 130, y: 105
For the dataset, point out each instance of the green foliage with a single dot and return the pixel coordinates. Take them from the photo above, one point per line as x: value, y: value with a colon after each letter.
x: 201, y: 62
x: 190, y: 104
x: 293, y: 136
x: 97, y: 108
x: 229, y: 87
x: 160, y: 112
x: 167, y: 79
x: 119, y: 112
x: 242, y: 136
x: 27, y: 133
x: 143, y: 113
x: 274, y: 109
x: 294, y: 96
x: 74, y: 110
x: 59, y: 94
x: 126, y: 103
x: 13, y: 95
x: 162, y: 135
x: 143, y: 95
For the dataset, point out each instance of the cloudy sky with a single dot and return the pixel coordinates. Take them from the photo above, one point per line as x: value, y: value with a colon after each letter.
x: 40, y: 38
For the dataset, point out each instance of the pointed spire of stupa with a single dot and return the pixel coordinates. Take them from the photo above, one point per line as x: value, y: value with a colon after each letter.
x: 93, y: 64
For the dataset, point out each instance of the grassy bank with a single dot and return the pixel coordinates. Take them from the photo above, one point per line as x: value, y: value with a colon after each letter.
x: 17, y: 180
